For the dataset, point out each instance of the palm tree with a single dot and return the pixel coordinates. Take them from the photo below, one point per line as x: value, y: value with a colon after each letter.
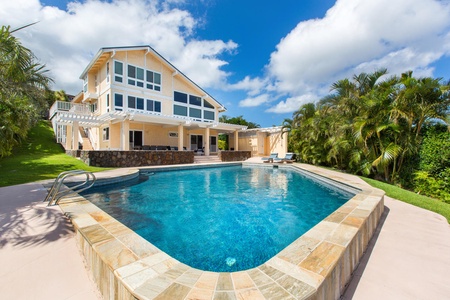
x: 22, y: 90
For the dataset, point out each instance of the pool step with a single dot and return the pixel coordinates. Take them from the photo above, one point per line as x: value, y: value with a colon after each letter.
x: 206, y: 159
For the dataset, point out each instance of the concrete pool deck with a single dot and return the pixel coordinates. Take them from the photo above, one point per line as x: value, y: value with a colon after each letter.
x: 408, y: 258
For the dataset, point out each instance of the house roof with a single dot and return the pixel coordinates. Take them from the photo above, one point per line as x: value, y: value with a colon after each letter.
x: 99, y: 59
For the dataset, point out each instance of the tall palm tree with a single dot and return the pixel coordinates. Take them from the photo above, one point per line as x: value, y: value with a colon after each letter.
x: 23, y: 83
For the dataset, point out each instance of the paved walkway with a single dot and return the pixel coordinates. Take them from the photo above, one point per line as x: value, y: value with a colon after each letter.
x: 409, y: 257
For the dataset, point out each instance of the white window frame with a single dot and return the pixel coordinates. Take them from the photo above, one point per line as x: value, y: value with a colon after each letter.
x: 121, y: 76
x: 190, y: 106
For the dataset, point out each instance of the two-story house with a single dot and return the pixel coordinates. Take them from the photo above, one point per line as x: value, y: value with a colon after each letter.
x: 133, y: 99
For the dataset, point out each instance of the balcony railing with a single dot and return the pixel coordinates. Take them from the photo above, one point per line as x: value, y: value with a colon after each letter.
x: 78, y: 108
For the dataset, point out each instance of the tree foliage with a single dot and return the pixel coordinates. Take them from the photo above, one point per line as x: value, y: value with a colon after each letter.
x: 23, y: 86
x: 370, y: 125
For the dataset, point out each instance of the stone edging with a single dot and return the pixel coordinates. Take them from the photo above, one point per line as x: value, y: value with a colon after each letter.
x: 318, y: 264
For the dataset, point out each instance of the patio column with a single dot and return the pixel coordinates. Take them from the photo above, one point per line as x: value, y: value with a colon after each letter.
x: 75, y: 132
x: 207, y: 142
x: 180, y: 137
x: 236, y: 140
x: 125, y: 135
x: 69, y: 130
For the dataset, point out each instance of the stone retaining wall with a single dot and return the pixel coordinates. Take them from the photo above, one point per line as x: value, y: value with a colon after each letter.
x: 234, y: 155
x: 138, y: 158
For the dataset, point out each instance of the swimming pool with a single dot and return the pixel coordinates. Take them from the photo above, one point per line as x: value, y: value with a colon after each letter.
x: 221, y: 219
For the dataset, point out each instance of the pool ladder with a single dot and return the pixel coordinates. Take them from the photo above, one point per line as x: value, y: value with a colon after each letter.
x: 56, y: 192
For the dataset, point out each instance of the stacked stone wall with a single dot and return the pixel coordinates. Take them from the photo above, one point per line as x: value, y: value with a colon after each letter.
x: 138, y: 158
x: 234, y: 155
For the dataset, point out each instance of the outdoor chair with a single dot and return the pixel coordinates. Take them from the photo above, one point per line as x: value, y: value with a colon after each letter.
x: 270, y: 158
x: 288, y: 158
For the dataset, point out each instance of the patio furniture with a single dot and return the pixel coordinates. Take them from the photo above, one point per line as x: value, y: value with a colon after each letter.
x: 288, y: 158
x: 270, y: 158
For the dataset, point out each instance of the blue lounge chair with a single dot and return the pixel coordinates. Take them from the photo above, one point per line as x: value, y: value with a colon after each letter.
x: 270, y: 158
x: 288, y: 158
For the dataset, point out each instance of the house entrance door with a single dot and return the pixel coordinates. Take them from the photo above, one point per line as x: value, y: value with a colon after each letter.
x: 213, y: 143
x: 196, y: 142
x: 135, y: 139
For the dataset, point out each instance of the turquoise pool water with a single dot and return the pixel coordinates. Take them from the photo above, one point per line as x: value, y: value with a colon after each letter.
x: 221, y: 219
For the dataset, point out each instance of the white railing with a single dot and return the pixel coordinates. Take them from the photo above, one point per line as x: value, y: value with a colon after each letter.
x: 69, y: 106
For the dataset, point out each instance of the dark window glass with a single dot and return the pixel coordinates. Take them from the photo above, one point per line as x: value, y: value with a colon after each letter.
x: 118, y: 79
x: 140, y: 74
x: 194, y: 100
x: 131, y: 71
x: 179, y: 110
x: 150, y: 86
x: 157, y: 106
x: 149, y: 76
x: 180, y: 97
x: 149, y: 105
x: 131, y: 102
x: 207, y: 104
x: 139, y: 84
x: 208, y: 115
x: 195, y: 113
x: 157, y: 88
x: 140, y: 103
x: 118, y: 68
x: 157, y: 78
x: 132, y: 82
x: 118, y: 100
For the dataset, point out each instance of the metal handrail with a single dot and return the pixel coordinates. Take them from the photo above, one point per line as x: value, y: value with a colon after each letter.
x: 55, y: 193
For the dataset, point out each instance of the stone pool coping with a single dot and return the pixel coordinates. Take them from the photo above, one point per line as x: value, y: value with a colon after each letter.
x: 318, y: 264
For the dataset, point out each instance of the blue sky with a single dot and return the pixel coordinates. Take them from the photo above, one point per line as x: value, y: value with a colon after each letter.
x: 261, y: 59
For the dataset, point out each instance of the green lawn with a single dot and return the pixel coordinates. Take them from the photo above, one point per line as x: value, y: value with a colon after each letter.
x: 38, y: 158
x: 428, y: 203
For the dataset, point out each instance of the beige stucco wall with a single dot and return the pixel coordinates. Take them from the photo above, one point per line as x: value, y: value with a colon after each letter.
x: 261, y: 143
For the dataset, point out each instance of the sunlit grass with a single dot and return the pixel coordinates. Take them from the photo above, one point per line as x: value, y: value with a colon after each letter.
x: 38, y: 158
x: 428, y: 203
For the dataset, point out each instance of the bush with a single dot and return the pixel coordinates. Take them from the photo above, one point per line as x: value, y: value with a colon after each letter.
x: 433, y: 177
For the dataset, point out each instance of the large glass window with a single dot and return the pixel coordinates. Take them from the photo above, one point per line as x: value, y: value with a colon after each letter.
x: 118, y: 71
x: 107, y: 102
x: 195, y: 113
x: 180, y: 97
x: 153, y: 105
x: 153, y: 80
x: 135, y: 102
x: 180, y: 110
x: 208, y: 115
x: 118, y: 102
x: 135, y: 76
x: 194, y: 100
x: 207, y: 104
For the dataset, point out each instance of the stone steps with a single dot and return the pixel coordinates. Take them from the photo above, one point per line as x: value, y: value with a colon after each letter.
x: 206, y: 159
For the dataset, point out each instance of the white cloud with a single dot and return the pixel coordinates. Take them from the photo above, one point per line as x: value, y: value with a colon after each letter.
x: 292, y: 104
x: 253, y: 86
x: 255, y: 101
x: 67, y: 40
x: 359, y: 36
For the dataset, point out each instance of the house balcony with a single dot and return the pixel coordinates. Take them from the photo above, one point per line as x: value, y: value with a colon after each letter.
x: 88, y: 97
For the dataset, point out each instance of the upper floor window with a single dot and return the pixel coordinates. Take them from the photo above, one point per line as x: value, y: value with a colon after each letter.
x: 135, y: 76
x: 118, y: 102
x: 153, y: 80
x: 135, y: 102
x: 153, y: 105
x: 118, y: 71
x: 107, y: 103
x: 107, y: 72
x: 196, y: 108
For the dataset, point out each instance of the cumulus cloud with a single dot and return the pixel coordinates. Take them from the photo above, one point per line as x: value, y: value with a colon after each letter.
x: 253, y: 86
x: 292, y: 103
x: 66, y: 40
x: 358, y: 36
x: 255, y: 101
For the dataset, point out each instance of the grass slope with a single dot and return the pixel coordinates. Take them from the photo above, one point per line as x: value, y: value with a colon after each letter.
x: 38, y: 158
x: 428, y: 203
